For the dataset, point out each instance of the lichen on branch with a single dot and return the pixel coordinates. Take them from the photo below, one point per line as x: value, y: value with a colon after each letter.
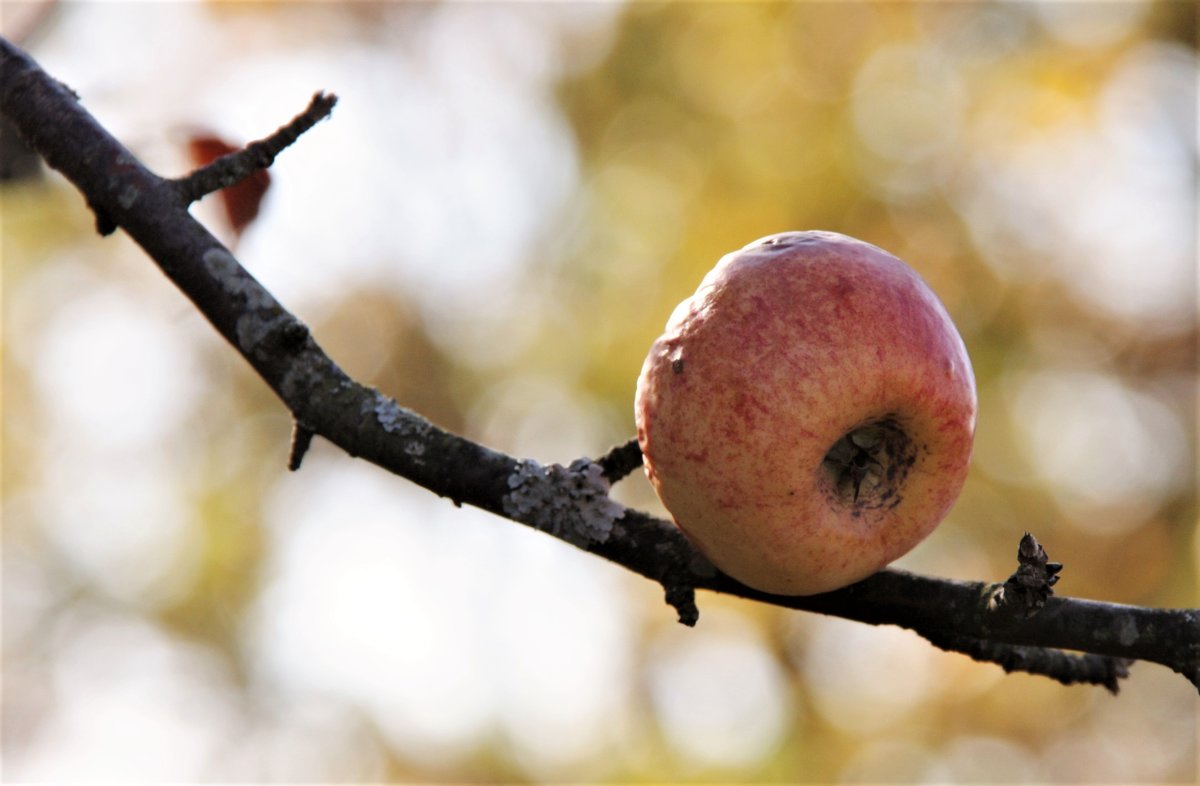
x: 571, y: 502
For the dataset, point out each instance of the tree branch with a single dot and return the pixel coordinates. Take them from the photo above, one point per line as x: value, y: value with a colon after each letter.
x: 231, y: 168
x: 1017, y: 624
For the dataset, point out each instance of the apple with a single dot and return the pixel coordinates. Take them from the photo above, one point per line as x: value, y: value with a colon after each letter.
x: 808, y: 414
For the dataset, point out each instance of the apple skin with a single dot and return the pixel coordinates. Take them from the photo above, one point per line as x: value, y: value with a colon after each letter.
x: 808, y: 414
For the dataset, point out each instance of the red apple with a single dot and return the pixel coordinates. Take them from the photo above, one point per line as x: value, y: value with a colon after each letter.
x: 807, y: 416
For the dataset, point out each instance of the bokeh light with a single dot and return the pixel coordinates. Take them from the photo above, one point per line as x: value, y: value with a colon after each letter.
x: 1099, y: 444
x: 720, y: 696
x: 850, y: 669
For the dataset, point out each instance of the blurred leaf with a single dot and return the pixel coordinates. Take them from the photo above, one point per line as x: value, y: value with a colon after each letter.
x: 242, y: 199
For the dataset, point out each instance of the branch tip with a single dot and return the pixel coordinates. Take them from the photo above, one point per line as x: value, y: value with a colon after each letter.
x: 1031, y: 584
x: 105, y: 226
x: 301, y: 440
x: 621, y: 460
x: 683, y: 598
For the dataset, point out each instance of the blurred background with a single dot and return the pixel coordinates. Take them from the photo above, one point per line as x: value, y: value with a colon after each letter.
x: 495, y: 224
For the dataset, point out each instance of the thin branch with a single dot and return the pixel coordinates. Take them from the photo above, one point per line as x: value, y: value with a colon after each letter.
x: 301, y: 440
x: 621, y: 460
x: 1064, y: 667
x: 569, y: 502
x: 236, y: 166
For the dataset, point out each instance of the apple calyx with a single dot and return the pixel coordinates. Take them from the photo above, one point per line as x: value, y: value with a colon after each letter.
x: 867, y: 466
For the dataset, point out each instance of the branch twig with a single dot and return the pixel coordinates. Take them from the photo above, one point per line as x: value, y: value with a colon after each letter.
x: 1062, y: 666
x: 236, y: 166
x: 301, y: 440
x: 621, y: 460
x: 972, y: 617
